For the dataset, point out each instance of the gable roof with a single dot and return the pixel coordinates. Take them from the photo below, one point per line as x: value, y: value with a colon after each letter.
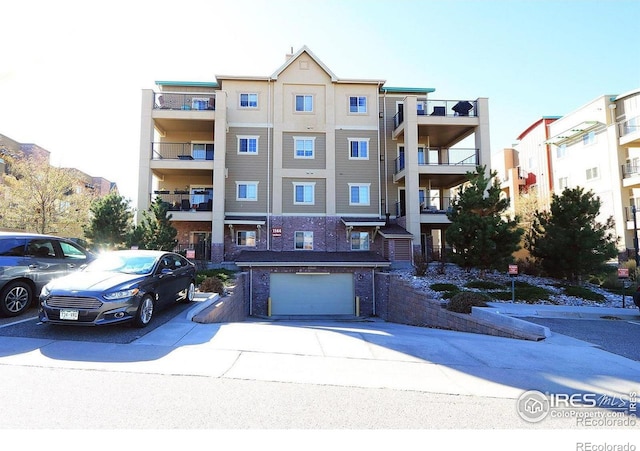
x: 295, y: 56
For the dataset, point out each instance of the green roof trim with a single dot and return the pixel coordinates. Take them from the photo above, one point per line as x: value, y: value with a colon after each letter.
x: 412, y: 90
x: 201, y: 84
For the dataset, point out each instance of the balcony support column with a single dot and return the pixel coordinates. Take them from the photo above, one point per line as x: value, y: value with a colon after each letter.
x: 219, y: 177
x: 412, y: 177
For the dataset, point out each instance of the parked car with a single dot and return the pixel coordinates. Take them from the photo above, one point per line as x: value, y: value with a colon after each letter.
x: 119, y: 286
x: 28, y: 261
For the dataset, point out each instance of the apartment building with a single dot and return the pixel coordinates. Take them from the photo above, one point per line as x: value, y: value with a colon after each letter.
x: 308, y: 181
x: 596, y: 147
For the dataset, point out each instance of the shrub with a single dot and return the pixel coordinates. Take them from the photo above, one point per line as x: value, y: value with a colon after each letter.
x: 225, y: 275
x: 484, y: 285
x: 444, y: 287
x: 420, y: 264
x: 584, y: 293
x: 463, y: 301
x: 212, y: 285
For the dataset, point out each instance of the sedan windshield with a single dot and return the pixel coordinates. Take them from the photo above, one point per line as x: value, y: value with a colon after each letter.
x: 122, y: 263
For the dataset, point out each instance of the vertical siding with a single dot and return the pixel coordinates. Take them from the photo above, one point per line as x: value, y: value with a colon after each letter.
x: 247, y: 168
x: 356, y: 171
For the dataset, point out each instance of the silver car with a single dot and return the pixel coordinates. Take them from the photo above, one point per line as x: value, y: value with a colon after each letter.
x: 29, y: 261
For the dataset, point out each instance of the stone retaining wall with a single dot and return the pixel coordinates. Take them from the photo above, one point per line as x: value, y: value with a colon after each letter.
x: 232, y: 307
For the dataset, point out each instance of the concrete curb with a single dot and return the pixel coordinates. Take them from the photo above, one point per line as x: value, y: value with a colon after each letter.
x: 520, y: 326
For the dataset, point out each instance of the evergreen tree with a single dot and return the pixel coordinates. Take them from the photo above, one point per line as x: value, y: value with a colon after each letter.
x: 568, y: 241
x: 156, y: 231
x: 480, y: 236
x: 110, y: 223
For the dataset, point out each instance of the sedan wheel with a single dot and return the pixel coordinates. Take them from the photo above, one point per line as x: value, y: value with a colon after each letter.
x: 144, y: 313
x: 16, y: 298
x: 190, y: 294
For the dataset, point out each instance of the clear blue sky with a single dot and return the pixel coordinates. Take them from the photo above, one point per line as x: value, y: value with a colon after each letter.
x: 71, y: 72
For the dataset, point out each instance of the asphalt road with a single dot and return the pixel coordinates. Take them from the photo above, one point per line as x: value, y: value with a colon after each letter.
x: 617, y: 336
x: 28, y: 326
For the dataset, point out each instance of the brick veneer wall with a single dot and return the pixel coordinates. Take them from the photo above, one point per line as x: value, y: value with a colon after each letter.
x: 233, y: 307
x: 399, y: 302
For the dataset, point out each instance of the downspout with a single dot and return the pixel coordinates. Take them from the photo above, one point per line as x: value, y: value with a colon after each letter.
x: 379, y: 172
x: 268, y: 164
x: 250, y: 290
x: 386, y: 165
x: 373, y: 291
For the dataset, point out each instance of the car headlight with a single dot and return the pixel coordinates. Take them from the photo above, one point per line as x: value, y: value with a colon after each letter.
x: 45, y: 291
x: 121, y: 294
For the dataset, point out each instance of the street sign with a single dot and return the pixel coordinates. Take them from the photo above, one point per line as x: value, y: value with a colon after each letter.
x: 513, y: 270
x: 623, y: 273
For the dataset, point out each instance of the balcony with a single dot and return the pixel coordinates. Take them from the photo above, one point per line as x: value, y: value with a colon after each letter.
x: 629, y: 131
x: 441, y: 108
x: 432, y: 211
x: 184, y: 101
x: 181, y: 151
x: 184, y: 205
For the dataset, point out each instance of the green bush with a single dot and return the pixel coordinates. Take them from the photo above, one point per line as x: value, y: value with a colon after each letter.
x: 484, y: 285
x: 584, y: 293
x: 225, y: 275
x: 212, y: 285
x: 463, y: 301
x: 444, y: 287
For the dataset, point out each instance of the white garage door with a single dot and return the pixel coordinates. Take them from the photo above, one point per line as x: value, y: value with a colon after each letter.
x: 312, y: 294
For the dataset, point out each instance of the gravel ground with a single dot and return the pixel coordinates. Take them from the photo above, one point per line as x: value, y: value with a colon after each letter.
x: 457, y: 276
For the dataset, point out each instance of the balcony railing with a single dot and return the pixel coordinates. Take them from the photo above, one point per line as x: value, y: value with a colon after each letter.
x: 184, y: 101
x: 435, y: 205
x: 181, y: 151
x: 453, y: 157
x: 442, y: 108
x: 178, y: 200
x: 629, y: 126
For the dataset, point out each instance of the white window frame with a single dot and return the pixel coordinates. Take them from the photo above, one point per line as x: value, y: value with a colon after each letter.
x: 593, y: 173
x: 305, y: 98
x: 304, y: 139
x: 250, y: 237
x: 363, y: 239
x: 249, y: 100
x: 359, y: 141
x: 563, y: 182
x: 359, y: 108
x: 361, y: 187
x: 561, y: 152
x: 247, y: 185
x: 307, y: 240
x: 248, y: 139
x: 589, y: 138
x: 311, y: 193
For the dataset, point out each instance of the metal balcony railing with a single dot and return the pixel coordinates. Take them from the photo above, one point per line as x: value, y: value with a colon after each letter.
x: 434, y: 205
x: 443, y: 108
x: 629, y: 126
x: 184, y: 101
x: 181, y: 151
x: 450, y: 157
x: 178, y: 200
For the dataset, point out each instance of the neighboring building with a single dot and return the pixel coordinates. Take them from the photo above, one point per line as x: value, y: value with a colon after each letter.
x: 596, y: 147
x: 527, y: 166
x: 303, y: 179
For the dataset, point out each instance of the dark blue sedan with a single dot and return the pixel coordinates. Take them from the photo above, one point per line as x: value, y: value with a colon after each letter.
x: 119, y: 286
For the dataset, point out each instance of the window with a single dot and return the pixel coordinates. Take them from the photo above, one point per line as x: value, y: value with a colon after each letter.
x: 304, y: 103
x: 202, y: 151
x: 248, y: 144
x: 303, y: 193
x: 202, y: 198
x: 592, y: 173
x: 421, y: 156
x: 304, y: 241
x: 359, y: 241
x: 304, y: 147
x: 357, y: 104
x: 563, y: 182
x: 359, y: 194
x: 358, y: 149
x: 244, y: 238
x: 247, y: 191
x: 562, y: 151
x: 589, y: 138
x: 248, y: 100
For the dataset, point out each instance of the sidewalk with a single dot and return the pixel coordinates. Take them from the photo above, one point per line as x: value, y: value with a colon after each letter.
x: 371, y: 353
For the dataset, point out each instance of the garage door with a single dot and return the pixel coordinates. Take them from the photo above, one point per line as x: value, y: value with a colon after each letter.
x: 312, y: 294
